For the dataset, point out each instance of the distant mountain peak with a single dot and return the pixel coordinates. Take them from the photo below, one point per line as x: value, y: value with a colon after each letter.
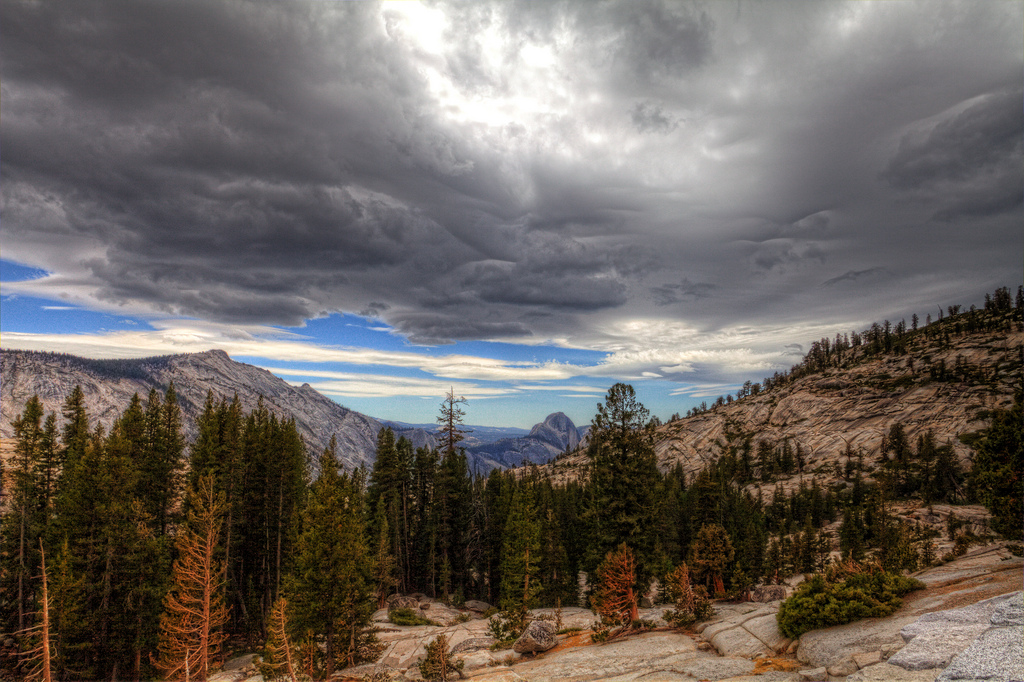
x: 557, y: 430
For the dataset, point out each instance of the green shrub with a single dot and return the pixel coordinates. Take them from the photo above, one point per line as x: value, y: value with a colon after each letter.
x: 820, y: 603
x: 506, y: 627
x: 600, y: 632
x: 408, y: 617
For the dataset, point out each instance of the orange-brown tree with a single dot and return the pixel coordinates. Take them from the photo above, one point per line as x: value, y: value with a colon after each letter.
x: 278, y: 661
x: 616, y: 595
x: 194, y: 610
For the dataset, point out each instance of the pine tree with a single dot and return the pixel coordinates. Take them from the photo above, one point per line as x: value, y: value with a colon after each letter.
x: 385, y: 579
x: 624, y: 482
x: 194, y: 610
x: 450, y: 421
x: 23, y: 524
x: 162, y: 463
x: 691, y: 603
x: 711, y: 553
x: 520, y: 555
x: 330, y: 586
x: 996, y: 475
x: 68, y: 618
x: 75, y: 435
x: 40, y: 653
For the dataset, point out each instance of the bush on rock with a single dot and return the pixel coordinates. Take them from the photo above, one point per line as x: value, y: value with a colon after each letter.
x: 842, y: 594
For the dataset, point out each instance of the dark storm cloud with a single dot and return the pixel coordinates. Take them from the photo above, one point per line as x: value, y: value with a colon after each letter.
x: 969, y: 161
x: 431, y: 328
x: 531, y: 168
x: 669, y: 294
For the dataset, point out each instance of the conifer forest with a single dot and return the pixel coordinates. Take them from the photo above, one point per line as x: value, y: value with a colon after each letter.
x: 127, y: 553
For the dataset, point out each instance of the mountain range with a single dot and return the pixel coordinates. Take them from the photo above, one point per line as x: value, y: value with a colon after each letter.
x: 945, y: 379
x: 108, y: 386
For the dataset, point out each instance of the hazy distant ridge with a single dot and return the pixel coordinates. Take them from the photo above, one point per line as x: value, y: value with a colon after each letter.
x: 110, y: 384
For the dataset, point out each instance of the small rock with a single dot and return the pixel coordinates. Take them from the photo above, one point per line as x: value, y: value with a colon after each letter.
x: 767, y: 593
x: 843, y: 667
x: 794, y: 645
x: 538, y: 636
x: 478, y: 606
x: 425, y: 606
x: 866, y: 658
x: 814, y: 674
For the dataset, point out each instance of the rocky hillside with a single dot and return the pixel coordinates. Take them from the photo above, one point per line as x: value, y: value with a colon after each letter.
x: 109, y: 385
x: 945, y: 384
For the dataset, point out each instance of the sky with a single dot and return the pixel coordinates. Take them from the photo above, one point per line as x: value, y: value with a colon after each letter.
x: 523, y: 202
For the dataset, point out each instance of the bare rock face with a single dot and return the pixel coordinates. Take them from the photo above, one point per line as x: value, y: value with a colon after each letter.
x: 991, y: 627
x: 538, y: 636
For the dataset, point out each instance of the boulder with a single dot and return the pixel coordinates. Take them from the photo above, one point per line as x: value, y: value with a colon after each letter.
x: 767, y: 593
x: 478, y: 606
x: 538, y: 636
x: 843, y: 667
x: 410, y: 602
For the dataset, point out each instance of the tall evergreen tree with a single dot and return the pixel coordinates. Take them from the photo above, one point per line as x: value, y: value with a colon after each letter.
x: 624, y: 482
x: 996, y: 477
x: 520, y: 554
x: 23, y: 524
x: 330, y: 587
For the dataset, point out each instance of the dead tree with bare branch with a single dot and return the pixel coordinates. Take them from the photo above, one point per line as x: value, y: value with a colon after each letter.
x: 194, y: 612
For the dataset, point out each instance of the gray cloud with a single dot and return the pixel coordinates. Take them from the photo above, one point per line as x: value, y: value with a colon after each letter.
x: 969, y: 161
x: 853, y: 276
x: 649, y: 117
x: 669, y: 294
x: 532, y: 169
